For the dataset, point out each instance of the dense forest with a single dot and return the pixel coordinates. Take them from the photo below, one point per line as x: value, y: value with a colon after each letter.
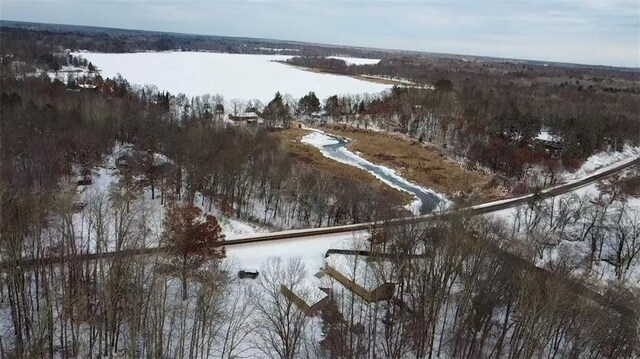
x: 490, y: 112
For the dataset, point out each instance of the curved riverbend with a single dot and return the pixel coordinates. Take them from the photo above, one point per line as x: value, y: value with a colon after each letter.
x: 335, y: 148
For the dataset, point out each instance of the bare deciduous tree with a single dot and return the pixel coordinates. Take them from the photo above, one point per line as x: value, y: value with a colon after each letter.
x: 281, y: 326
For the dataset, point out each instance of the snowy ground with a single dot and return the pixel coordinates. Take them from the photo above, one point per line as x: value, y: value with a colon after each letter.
x: 546, y: 135
x: 356, y: 60
x: 66, y: 71
x: 311, y: 250
x: 602, y: 160
x: 327, y: 145
x: 106, y: 178
x: 231, y: 75
x: 560, y: 230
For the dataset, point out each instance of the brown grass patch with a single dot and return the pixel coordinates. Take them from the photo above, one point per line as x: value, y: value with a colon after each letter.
x: 312, y: 156
x: 414, y: 161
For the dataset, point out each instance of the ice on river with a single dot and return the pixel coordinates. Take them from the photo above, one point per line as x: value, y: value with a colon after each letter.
x: 426, y: 200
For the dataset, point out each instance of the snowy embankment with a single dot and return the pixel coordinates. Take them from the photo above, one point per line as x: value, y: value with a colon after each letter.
x: 310, y: 250
x: 590, y: 229
x: 331, y: 147
x: 603, y: 160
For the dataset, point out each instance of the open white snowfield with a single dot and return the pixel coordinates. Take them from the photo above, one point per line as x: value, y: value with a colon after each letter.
x: 234, y: 76
x: 308, y: 252
x: 355, y: 60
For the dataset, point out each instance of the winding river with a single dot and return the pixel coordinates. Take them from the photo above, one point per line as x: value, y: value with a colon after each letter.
x: 335, y: 148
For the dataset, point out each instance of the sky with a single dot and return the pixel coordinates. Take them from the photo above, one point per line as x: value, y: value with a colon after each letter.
x: 602, y: 32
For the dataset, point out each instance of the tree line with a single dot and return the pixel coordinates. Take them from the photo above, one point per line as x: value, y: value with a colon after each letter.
x: 99, y: 39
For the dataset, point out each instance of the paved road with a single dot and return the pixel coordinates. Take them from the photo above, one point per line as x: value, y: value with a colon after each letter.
x: 484, y: 208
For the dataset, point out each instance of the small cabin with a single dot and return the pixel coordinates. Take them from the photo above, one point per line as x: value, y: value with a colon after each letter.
x: 85, y: 178
x: 249, y: 117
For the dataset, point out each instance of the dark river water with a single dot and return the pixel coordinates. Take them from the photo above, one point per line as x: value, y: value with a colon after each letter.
x: 339, y: 152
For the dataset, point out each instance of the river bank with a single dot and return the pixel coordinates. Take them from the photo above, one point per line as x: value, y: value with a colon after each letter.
x: 423, y: 165
x: 334, y: 147
x: 368, y: 78
x: 313, y: 157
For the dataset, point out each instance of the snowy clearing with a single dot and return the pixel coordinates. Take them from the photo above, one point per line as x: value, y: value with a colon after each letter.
x: 106, y: 179
x: 546, y: 135
x: 310, y: 250
x: 355, y: 60
x: 230, y: 75
x: 604, y: 159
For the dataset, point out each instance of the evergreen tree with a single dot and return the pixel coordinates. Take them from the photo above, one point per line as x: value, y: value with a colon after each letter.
x: 361, y: 107
x: 332, y: 106
x: 332, y: 327
x: 309, y: 103
x: 276, y: 112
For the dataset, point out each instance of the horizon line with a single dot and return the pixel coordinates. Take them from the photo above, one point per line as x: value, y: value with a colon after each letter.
x: 381, y: 49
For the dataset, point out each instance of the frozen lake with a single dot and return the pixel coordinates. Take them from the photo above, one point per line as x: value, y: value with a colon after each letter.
x: 231, y: 75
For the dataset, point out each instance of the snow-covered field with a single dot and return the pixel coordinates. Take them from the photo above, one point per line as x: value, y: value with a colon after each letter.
x: 356, y: 60
x: 310, y: 250
x: 230, y: 75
